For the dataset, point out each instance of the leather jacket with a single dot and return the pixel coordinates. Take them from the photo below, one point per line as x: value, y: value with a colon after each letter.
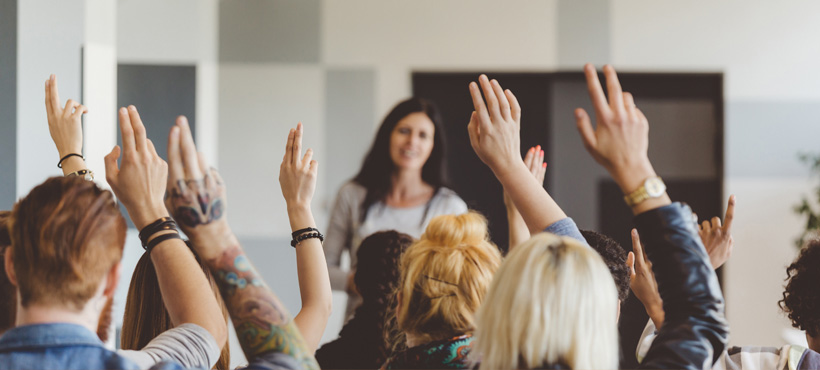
x: 694, y: 332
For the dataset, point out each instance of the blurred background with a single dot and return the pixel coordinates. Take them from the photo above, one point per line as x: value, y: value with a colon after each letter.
x: 731, y: 90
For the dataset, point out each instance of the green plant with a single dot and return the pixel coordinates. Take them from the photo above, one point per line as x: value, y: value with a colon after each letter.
x: 804, y: 208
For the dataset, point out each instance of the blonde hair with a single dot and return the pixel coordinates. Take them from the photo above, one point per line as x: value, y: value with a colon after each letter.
x: 553, y: 301
x: 444, y: 277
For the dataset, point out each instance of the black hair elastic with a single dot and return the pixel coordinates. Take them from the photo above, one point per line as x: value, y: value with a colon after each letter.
x: 153, y: 243
x: 67, y: 156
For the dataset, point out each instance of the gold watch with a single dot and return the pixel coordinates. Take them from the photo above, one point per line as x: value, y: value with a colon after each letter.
x: 653, y: 187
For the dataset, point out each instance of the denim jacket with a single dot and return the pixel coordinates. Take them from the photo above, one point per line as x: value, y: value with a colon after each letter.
x: 61, y: 346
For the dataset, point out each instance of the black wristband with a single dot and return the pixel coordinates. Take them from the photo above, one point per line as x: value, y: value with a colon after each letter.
x: 153, y: 243
x: 67, y: 156
x: 302, y: 231
x: 162, y: 224
x: 306, y: 236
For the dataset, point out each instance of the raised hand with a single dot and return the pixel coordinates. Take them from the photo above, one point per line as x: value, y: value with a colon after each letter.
x: 140, y: 182
x: 717, y: 238
x: 196, y: 194
x: 297, y: 174
x: 494, y: 128
x: 620, y: 142
x: 642, y: 281
x: 65, y: 126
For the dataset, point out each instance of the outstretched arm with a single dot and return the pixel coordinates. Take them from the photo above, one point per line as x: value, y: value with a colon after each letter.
x: 140, y: 185
x: 495, y: 136
x: 297, y: 177
x: 694, y: 332
x: 197, y: 201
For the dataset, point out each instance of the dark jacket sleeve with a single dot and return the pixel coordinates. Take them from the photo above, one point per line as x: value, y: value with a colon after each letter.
x: 694, y: 332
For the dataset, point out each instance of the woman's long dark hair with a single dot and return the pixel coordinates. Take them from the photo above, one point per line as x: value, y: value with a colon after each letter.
x: 377, y: 169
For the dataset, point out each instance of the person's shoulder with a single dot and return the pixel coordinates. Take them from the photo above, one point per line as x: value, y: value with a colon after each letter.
x: 352, y: 190
x: 449, y: 200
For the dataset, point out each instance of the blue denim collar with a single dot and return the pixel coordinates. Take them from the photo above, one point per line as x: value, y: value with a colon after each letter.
x: 48, y: 335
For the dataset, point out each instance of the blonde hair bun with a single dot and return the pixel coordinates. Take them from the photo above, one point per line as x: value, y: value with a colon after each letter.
x: 457, y: 230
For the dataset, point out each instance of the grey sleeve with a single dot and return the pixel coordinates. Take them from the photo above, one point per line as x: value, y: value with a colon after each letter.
x: 338, y: 238
x: 274, y: 360
x: 189, y: 345
x: 566, y: 227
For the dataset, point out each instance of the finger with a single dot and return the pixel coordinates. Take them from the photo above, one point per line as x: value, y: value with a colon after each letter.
x: 190, y: 159
x: 489, y: 95
x: 730, y: 213
x: 483, y: 117
x: 536, y: 160
x: 314, y: 167
x: 288, y: 159
x: 176, y: 170
x: 140, y: 138
x: 586, y: 130
x: 596, y: 93
x: 540, y: 158
x: 503, y: 103
x: 297, y: 145
x: 629, y: 104
x: 716, y: 222
x: 111, y: 169
x: 55, y: 94
x: 616, y: 97
x: 630, y: 263
x: 79, y: 111
x: 529, y: 158
x: 641, y: 116
x: 472, y: 130
x: 203, y: 164
x: 128, y: 145
x: 515, y: 108
x: 706, y: 226
x: 70, y: 104
x: 49, y: 109
x: 640, y: 258
x: 541, y: 173
x: 307, y: 159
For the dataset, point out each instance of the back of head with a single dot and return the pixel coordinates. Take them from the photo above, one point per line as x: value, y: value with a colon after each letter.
x: 801, y: 299
x: 444, y: 277
x: 552, y: 302
x: 614, y: 256
x: 8, y: 292
x: 145, y: 315
x: 377, y: 271
x: 66, y: 235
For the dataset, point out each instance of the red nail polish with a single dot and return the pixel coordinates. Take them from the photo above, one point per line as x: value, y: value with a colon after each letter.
x: 544, y: 165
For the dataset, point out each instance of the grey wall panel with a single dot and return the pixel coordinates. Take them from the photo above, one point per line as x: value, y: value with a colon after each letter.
x: 763, y: 138
x: 583, y: 32
x: 264, y: 31
x: 349, y: 111
x: 275, y: 260
x: 160, y: 93
x: 8, y: 103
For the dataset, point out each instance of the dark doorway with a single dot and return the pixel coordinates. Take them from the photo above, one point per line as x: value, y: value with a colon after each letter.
x: 685, y: 112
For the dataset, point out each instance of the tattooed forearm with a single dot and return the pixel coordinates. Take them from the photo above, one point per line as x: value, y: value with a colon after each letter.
x: 261, y: 321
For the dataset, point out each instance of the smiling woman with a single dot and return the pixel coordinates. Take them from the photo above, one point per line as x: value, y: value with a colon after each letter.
x: 401, y: 186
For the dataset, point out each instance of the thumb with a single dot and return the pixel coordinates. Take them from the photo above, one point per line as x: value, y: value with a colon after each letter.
x: 111, y: 169
x: 586, y: 130
x: 630, y: 262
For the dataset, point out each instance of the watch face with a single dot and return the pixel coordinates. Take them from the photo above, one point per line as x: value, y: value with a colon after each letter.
x: 654, y: 187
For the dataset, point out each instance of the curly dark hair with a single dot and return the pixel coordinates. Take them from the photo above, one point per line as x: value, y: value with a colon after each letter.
x: 614, y: 256
x: 801, y: 299
x: 362, y: 343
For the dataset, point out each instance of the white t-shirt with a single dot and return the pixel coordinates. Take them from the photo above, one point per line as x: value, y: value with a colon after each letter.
x: 346, y: 230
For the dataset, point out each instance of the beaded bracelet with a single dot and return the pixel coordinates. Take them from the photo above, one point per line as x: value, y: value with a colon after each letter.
x: 306, y: 236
